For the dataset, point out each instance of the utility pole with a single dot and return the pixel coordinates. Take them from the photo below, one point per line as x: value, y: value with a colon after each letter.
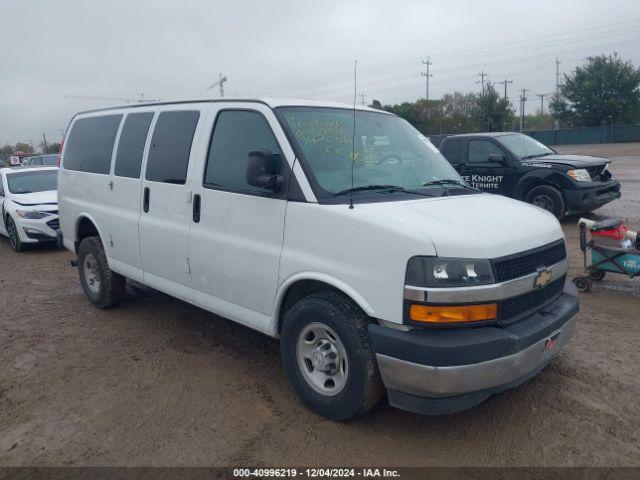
x: 220, y: 84
x: 505, y: 83
x: 541, y: 95
x: 482, y: 74
x: 523, y: 99
x: 363, y: 99
x: 427, y: 75
x: 558, y: 62
x: 556, y: 122
x: 46, y: 146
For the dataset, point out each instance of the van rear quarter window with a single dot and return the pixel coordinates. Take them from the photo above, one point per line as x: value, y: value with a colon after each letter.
x: 171, y: 146
x: 90, y: 144
x: 131, y: 144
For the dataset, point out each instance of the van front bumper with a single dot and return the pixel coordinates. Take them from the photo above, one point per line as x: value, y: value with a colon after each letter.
x: 440, y: 371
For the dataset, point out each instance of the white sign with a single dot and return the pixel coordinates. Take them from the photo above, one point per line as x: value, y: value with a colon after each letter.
x: 14, y: 160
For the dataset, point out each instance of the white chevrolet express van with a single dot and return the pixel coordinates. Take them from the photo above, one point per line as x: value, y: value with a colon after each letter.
x: 363, y: 251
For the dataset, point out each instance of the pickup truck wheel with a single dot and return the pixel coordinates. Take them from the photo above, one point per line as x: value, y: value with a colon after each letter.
x: 327, y: 356
x: 104, y: 287
x: 548, y: 198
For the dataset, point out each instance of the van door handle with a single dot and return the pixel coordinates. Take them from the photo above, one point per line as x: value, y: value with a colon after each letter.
x: 196, y: 208
x: 145, y: 200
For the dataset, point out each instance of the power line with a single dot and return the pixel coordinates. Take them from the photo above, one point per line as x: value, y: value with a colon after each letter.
x: 408, y: 79
x: 528, y: 44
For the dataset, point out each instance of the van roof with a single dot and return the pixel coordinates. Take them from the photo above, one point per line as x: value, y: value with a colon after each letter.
x: 270, y: 102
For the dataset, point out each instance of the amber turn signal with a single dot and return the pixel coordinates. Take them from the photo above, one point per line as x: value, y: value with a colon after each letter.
x: 453, y: 313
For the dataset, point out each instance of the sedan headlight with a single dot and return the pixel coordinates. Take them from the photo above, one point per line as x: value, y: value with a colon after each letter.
x: 32, y: 214
x: 448, y: 272
x: 579, y: 175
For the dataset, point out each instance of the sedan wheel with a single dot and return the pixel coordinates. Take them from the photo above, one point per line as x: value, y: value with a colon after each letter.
x: 14, y: 237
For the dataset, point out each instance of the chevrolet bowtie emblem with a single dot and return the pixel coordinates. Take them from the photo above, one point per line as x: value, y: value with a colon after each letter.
x: 543, y: 278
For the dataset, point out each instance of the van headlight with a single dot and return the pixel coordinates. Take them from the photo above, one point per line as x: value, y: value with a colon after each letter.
x: 579, y: 175
x: 32, y: 214
x: 448, y: 272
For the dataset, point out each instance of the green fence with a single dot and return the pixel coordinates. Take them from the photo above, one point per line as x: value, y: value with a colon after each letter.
x: 580, y: 135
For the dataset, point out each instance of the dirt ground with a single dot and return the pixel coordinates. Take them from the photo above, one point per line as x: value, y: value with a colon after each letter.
x: 157, y: 382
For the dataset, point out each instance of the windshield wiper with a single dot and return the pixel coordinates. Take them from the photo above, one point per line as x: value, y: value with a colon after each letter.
x: 450, y: 181
x: 537, y: 155
x: 390, y: 188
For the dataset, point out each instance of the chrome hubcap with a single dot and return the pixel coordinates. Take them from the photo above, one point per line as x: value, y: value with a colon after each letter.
x: 322, y: 359
x: 91, y: 273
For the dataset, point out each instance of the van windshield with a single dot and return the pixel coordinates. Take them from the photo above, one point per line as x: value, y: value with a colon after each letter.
x: 388, y: 150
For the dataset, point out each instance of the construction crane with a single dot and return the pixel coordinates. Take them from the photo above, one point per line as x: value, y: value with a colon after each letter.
x: 138, y: 99
x: 220, y: 83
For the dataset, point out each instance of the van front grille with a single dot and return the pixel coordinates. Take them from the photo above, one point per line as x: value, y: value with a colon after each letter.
x: 525, y: 263
x: 511, y: 309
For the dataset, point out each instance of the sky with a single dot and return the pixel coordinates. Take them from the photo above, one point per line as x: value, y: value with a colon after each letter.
x: 167, y: 50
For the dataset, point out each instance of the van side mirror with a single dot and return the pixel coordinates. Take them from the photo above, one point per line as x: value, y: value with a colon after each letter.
x: 263, y: 170
x: 497, y: 158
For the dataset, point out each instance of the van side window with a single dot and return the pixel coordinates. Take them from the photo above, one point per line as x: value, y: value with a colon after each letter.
x: 90, y: 144
x: 453, y: 151
x: 171, y: 146
x: 479, y: 151
x: 131, y: 144
x: 236, y: 133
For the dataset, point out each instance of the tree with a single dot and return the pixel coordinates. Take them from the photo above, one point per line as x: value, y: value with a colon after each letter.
x: 23, y: 147
x: 493, y: 112
x: 49, y: 147
x: 605, y: 89
x: 6, y: 150
x: 458, y: 112
x: 54, y: 147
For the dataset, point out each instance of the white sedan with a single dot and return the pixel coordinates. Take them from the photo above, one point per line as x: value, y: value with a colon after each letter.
x: 29, y: 204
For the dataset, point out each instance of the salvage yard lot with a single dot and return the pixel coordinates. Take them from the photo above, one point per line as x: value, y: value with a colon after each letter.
x: 159, y: 382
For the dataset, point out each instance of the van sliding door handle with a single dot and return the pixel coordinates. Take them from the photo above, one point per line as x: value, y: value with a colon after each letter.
x: 196, y: 208
x: 145, y: 200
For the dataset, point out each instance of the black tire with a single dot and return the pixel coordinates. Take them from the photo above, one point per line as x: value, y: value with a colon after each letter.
x: 14, y: 237
x: 583, y: 284
x: 104, y: 287
x: 597, y: 275
x: 363, y: 387
x: 548, y: 198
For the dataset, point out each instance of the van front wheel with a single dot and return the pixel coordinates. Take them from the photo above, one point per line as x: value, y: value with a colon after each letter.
x: 327, y: 356
x: 104, y: 287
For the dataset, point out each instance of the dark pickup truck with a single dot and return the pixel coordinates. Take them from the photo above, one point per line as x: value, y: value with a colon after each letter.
x: 517, y: 166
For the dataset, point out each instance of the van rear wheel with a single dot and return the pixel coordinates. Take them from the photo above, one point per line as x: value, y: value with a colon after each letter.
x: 104, y: 287
x: 548, y: 198
x: 328, y: 358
